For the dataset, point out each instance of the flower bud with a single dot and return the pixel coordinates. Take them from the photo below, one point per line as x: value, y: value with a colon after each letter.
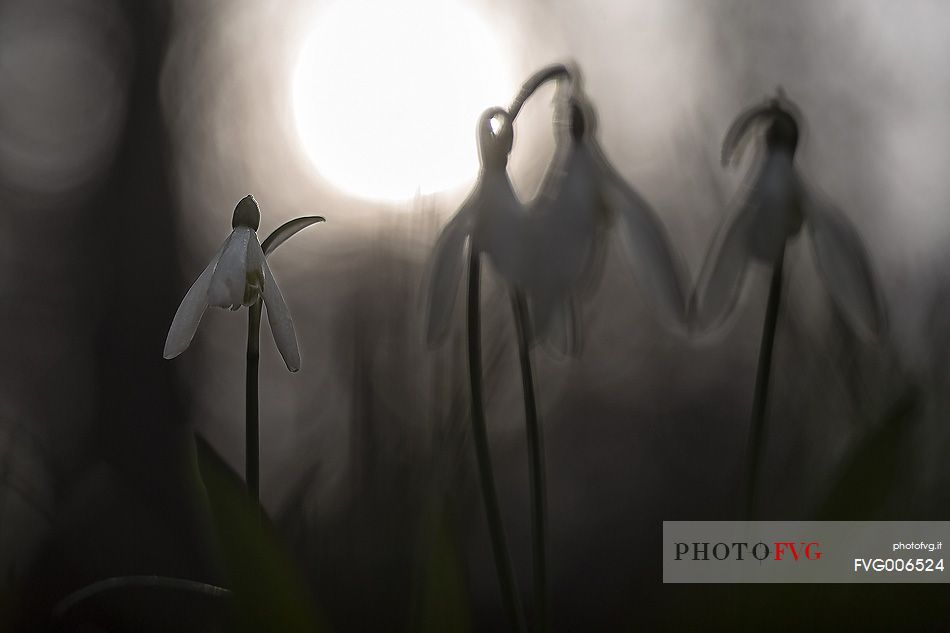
x: 247, y: 213
x: 494, y: 146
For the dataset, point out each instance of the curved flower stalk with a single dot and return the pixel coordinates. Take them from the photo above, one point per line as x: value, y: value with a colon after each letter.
x: 238, y: 275
x: 580, y: 200
x: 773, y: 211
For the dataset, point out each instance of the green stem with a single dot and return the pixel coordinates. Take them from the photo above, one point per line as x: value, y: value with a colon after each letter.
x: 536, y: 461
x: 252, y: 452
x: 761, y: 394
x: 506, y: 575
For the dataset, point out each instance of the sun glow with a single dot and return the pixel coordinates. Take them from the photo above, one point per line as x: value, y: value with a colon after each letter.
x: 386, y: 95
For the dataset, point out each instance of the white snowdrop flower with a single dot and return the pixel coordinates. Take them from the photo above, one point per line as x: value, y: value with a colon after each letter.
x: 238, y: 275
x: 776, y: 206
x: 492, y: 218
x: 581, y: 198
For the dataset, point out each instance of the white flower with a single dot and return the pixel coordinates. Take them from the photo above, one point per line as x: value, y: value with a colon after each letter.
x: 237, y: 276
x: 578, y: 202
x: 777, y: 205
x: 492, y: 216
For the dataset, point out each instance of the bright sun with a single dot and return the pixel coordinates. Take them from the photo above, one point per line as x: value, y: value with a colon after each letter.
x: 386, y: 94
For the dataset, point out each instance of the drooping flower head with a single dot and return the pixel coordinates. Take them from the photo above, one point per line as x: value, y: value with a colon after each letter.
x: 553, y: 252
x: 774, y: 209
x: 491, y: 218
x: 238, y: 275
x: 581, y: 198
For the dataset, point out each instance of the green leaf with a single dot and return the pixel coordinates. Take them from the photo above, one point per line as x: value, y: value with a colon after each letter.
x: 144, y: 604
x: 269, y: 591
x: 287, y: 230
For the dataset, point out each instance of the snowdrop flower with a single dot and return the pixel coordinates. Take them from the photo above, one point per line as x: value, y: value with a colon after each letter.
x: 491, y: 218
x: 579, y: 200
x: 775, y: 208
x: 238, y: 275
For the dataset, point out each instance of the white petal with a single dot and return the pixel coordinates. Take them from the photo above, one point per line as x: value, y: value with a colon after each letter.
x: 654, y: 263
x: 768, y: 217
x: 500, y: 226
x: 775, y: 193
x: 843, y: 264
x: 723, y: 272
x: 443, y: 274
x: 230, y: 275
x: 564, y: 225
x: 281, y: 325
x: 191, y: 310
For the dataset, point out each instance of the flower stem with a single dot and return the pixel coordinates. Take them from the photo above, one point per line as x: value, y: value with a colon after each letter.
x: 252, y: 453
x: 761, y: 394
x: 535, y: 81
x: 506, y: 575
x: 536, y: 461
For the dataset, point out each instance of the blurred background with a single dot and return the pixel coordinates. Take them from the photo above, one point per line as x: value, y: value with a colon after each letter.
x: 130, y: 129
